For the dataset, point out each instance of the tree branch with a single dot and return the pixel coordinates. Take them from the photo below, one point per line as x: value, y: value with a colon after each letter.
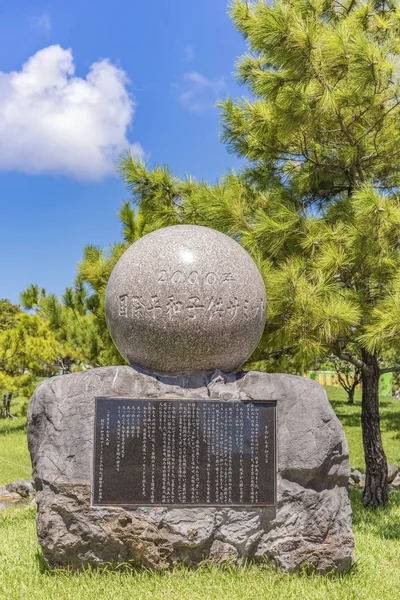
x: 389, y: 370
x: 352, y: 359
x: 274, y: 354
x: 378, y: 121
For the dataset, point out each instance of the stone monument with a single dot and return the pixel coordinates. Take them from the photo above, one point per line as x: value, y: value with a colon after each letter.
x: 177, y: 458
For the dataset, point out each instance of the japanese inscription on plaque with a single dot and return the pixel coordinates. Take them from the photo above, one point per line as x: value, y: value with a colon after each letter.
x: 184, y: 452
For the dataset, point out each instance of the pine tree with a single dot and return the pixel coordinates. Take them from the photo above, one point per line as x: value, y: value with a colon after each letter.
x: 29, y: 349
x: 326, y: 100
x: 73, y: 324
x: 332, y: 277
x: 94, y: 271
x: 78, y: 318
x: 317, y: 205
x: 348, y: 375
x: 324, y: 123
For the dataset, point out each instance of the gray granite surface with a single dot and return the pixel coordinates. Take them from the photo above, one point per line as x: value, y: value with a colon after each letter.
x: 310, y: 525
x: 186, y: 298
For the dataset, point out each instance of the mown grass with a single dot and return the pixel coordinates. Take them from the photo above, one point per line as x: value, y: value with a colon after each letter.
x: 350, y: 417
x: 376, y: 576
x: 14, y: 448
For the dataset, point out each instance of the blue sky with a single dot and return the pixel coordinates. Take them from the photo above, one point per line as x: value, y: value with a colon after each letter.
x: 79, y: 83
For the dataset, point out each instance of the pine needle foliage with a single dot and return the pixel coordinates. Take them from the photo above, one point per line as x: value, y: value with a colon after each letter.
x: 325, y: 110
x: 332, y: 276
x: 73, y: 324
x: 93, y: 274
x: 29, y: 349
x: 317, y: 205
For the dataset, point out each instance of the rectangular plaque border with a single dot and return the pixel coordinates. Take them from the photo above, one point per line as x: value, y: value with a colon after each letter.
x: 133, y: 506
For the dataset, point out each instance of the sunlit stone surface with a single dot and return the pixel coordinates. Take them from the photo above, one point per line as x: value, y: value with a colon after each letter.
x: 310, y: 526
x: 186, y: 298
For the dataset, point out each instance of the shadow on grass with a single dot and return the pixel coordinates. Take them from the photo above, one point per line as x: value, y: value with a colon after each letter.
x: 43, y: 568
x: 382, y: 522
x: 10, y: 427
x: 350, y: 416
x: 348, y: 420
x: 391, y: 421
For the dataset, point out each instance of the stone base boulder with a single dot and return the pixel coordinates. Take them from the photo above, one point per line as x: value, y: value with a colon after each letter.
x: 19, y: 490
x: 310, y: 525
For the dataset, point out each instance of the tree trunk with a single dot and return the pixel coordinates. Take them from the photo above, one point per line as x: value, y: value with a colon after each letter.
x: 350, y: 395
x: 376, y: 485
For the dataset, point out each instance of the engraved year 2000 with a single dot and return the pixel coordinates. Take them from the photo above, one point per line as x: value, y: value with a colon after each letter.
x: 194, y: 277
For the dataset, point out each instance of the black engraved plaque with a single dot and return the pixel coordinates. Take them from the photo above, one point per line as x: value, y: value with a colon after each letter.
x: 184, y: 452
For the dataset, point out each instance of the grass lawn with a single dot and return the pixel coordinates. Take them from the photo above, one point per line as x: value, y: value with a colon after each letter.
x: 15, y: 462
x: 14, y: 448
x: 376, y: 576
x: 350, y: 417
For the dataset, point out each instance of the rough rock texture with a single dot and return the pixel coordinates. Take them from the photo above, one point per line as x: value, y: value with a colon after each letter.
x: 356, y: 476
x: 310, y: 525
x: 392, y: 472
x: 6, y: 496
x: 396, y: 481
x: 222, y: 553
x: 23, y: 487
x: 186, y: 298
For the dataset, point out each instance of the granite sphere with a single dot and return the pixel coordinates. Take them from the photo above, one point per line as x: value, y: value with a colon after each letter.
x: 185, y: 298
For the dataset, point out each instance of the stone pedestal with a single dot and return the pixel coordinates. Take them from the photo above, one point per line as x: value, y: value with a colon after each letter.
x: 310, y: 525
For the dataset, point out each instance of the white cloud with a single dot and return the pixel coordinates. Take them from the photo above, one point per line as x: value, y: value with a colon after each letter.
x: 42, y: 22
x: 197, y: 93
x: 189, y: 53
x: 54, y: 122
